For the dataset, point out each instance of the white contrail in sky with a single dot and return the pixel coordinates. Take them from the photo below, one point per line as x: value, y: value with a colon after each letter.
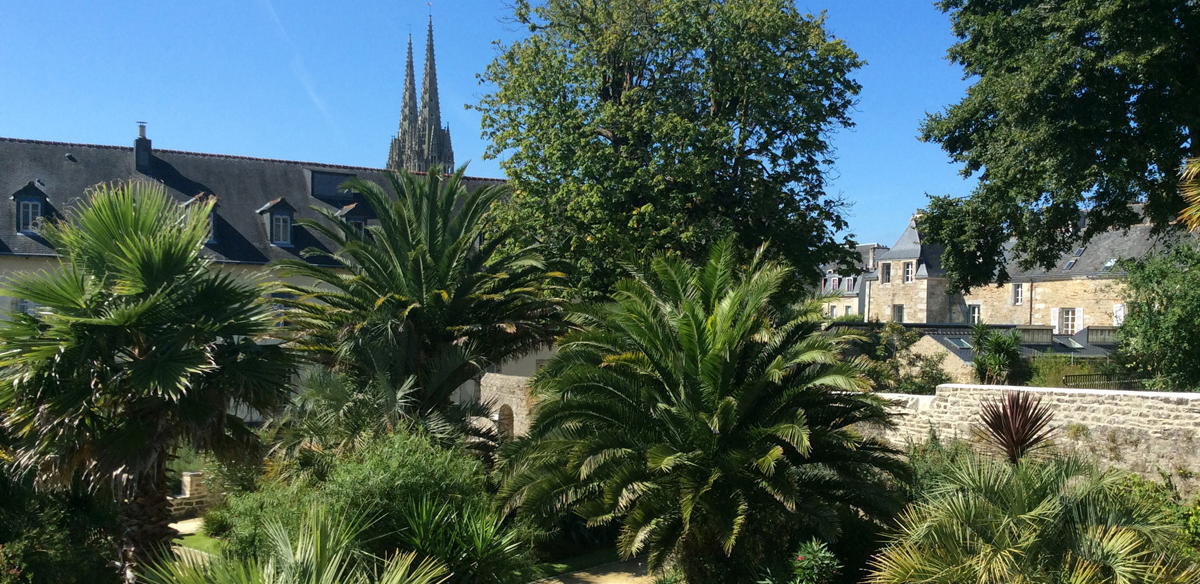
x: 301, y: 73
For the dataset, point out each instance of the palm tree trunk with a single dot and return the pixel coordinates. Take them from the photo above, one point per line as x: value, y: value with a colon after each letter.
x: 145, y: 522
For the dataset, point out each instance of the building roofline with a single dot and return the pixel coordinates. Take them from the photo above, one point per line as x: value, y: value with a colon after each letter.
x: 227, y: 156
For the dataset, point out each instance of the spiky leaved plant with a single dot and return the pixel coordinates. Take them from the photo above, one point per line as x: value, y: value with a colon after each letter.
x: 1189, y: 185
x: 1043, y: 521
x: 138, y: 345
x: 1015, y: 424
x: 320, y: 551
x: 707, y: 412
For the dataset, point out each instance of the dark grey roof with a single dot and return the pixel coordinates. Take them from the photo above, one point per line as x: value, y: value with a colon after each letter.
x: 945, y: 334
x: 1096, y: 259
x: 63, y: 172
x: 911, y: 247
x: 858, y: 272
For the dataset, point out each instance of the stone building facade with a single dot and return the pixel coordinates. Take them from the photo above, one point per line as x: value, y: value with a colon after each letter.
x: 844, y: 285
x: 1081, y: 290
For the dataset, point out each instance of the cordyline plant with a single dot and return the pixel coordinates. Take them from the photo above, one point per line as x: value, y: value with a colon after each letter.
x: 1015, y: 424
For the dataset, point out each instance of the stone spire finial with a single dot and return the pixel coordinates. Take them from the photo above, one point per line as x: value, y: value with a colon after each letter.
x: 421, y: 141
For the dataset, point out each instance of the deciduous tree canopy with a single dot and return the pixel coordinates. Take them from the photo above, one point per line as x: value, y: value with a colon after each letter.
x: 639, y: 126
x: 1077, y: 106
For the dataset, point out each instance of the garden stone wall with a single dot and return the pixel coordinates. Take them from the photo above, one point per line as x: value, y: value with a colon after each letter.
x: 194, y: 498
x: 1146, y: 432
x: 512, y: 391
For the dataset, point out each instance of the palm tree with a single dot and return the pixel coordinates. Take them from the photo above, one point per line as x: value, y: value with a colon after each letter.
x: 997, y: 355
x: 138, y: 345
x: 710, y: 414
x: 321, y: 552
x: 1050, y: 520
x: 1189, y: 184
x: 426, y: 292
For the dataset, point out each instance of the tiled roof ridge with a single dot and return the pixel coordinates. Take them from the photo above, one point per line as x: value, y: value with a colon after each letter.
x: 230, y: 156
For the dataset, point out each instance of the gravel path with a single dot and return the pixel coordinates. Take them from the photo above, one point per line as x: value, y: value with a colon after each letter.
x: 631, y: 572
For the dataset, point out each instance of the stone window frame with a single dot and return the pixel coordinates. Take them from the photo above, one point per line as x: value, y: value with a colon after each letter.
x: 909, y: 270
x: 848, y: 309
x: 898, y: 311
x: 885, y: 273
x: 974, y: 313
x: 1018, y: 294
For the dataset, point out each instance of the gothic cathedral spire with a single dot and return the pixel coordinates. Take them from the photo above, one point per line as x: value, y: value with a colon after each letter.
x: 421, y: 141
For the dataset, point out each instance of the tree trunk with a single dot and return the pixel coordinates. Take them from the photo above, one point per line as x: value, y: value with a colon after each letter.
x: 145, y: 522
x: 702, y: 561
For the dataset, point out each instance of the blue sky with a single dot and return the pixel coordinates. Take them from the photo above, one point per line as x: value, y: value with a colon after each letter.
x: 320, y: 81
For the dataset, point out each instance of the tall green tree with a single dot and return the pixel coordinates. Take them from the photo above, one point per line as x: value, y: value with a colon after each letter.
x: 1160, y: 336
x: 636, y: 126
x: 1077, y: 105
x: 138, y: 345
x: 706, y: 411
x: 425, y: 295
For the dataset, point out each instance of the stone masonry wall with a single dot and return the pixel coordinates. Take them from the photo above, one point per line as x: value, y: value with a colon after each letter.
x: 959, y: 371
x: 1145, y: 432
x: 1094, y: 297
x: 195, y: 498
x: 924, y: 299
x: 511, y: 391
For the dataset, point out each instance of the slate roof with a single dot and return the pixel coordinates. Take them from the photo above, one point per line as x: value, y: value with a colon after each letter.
x: 859, y: 272
x: 945, y: 334
x: 63, y: 172
x: 910, y: 247
x: 1096, y: 259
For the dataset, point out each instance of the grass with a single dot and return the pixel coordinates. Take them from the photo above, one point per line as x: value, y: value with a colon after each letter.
x: 201, y: 542
x: 580, y: 562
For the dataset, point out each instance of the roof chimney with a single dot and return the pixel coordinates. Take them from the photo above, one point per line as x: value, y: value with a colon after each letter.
x: 141, y: 149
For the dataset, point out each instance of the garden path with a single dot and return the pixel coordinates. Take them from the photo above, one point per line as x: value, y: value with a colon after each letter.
x: 630, y: 572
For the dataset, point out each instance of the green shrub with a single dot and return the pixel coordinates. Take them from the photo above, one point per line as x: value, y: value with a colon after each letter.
x: 470, y: 539
x: 930, y: 460
x: 382, y: 480
x: 51, y: 538
x: 921, y: 374
x: 1048, y: 370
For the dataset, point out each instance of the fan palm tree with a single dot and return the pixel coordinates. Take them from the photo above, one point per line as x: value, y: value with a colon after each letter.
x: 1050, y: 520
x: 708, y: 413
x: 1189, y: 183
x: 138, y: 345
x: 425, y: 292
x: 321, y: 552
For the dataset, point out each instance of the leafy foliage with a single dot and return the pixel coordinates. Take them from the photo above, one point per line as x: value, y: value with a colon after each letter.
x: 707, y: 411
x: 631, y: 127
x: 1159, y: 337
x: 997, y: 355
x: 1075, y: 106
x: 894, y: 367
x: 421, y: 296
x: 382, y: 479
x: 322, y: 550
x: 471, y: 539
x: 1054, y: 520
x: 62, y: 537
x: 138, y: 346
x: 1189, y: 184
x: 1015, y: 424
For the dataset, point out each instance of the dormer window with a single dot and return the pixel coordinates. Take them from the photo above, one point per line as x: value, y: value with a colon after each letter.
x: 281, y: 229
x: 351, y: 215
x: 28, y: 212
x: 29, y: 205
x: 278, y: 215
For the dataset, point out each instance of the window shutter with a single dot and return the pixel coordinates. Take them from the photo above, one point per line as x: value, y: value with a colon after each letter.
x: 1118, y: 314
x: 1054, y: 319
x: 1079, y: 320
